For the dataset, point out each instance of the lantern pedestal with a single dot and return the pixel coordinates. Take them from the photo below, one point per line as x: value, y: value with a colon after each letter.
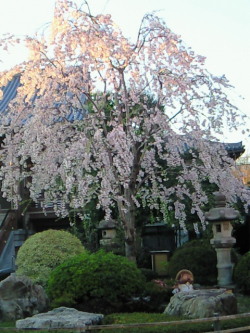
x: 224, y: 264
x: 220, y: 216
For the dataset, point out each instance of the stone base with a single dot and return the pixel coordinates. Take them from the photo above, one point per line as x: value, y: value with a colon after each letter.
x: 60, y: 318
x: 20, y: 298
x: 202, y: 303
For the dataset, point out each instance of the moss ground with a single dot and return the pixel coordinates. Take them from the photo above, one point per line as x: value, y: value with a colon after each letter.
x: 140, y: 317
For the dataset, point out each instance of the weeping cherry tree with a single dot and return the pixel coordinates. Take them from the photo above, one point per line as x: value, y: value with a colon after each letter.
x: 98, y: 116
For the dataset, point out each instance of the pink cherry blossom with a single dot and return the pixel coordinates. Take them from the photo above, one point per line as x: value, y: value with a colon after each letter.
x: 137, y: 106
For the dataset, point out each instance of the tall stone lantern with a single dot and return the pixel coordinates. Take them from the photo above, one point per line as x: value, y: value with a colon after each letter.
x: 221, y: 217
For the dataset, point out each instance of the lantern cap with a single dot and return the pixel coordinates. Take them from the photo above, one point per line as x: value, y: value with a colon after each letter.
x: 220, y: 199
x: 107, y: 224
x: 221, y: 212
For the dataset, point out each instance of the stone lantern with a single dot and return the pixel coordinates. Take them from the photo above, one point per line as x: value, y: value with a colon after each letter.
x: 221, y: 217
x: 108, y: 230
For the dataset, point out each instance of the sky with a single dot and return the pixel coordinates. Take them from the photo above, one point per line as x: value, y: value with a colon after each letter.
x: 216, y: 29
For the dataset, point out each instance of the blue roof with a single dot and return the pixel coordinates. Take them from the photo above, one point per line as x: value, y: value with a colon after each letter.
x: 233, y: 146
x: 234, y: 149
x: 10, y: 92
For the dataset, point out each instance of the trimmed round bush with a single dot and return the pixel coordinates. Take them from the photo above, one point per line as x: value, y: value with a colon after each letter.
x: 44, y: 251
x: 96, y: 282
x: 242, y: 273
x: 199, y: 257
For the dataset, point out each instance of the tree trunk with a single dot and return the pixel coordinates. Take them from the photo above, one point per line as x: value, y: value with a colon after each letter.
x: 127, y: 216
x: 130, y: 239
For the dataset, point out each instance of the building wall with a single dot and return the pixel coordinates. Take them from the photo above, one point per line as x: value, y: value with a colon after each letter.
x: 243, y: 172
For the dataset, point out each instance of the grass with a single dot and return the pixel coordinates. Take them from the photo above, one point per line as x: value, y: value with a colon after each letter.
x: 140, y: 317
x: 182, y: 328
x: 243, y: 303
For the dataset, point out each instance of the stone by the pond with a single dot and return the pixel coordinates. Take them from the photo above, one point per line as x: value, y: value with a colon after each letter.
x: 60, y: 318
x: 20, y: 298
x: 202, y: 303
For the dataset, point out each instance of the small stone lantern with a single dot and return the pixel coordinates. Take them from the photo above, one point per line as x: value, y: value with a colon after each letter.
x: 220, y: 217
x: 108, y: 229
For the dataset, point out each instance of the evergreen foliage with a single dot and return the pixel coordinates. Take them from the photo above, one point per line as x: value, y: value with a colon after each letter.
x: 199, y: 257
x: 242, y: 273
x: 45, y: 250
x: 96, y: 282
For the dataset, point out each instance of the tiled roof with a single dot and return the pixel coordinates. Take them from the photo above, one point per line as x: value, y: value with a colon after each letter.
x: 235, y: 149
x: 234, y: 146
x: 10, y: 91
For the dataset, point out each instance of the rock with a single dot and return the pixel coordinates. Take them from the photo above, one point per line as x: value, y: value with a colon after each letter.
x: 60, y: 318
x: 202, y: 303
x: 20, y: 298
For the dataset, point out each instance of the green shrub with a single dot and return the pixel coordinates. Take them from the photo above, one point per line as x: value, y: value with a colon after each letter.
x: 160, y: 293
x: 44, y: 251
x: 97, y: 282
x: 242, y: 273
x: 149, y: 274
x: 199, y: 257
x: 154, y: 298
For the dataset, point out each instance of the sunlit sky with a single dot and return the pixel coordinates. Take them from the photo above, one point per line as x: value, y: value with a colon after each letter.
x: 216, y: 29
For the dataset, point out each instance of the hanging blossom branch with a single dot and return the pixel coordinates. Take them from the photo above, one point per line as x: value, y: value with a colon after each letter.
x: 148, y: 113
